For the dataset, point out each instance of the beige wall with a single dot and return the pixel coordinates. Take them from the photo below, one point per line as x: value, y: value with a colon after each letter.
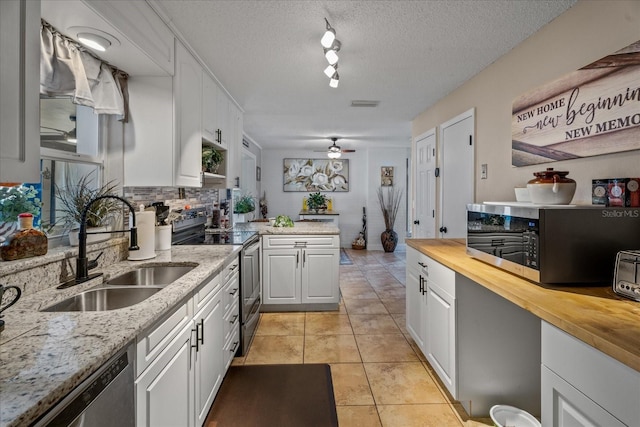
x: 588, y: 31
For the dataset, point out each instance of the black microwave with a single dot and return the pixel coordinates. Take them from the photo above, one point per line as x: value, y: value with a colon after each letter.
x: 552, y: 244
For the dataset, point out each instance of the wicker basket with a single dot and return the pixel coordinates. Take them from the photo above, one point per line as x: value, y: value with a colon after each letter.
x: 359, y: 247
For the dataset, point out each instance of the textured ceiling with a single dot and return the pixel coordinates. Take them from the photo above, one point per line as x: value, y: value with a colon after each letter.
x: 405, y: 54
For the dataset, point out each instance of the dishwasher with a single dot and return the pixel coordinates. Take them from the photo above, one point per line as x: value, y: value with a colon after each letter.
x: 105, y: 399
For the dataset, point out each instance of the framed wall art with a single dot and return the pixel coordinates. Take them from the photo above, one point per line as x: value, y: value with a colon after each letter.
x: 386, y: 176
x: 589, y: 112
x: 309, y: 175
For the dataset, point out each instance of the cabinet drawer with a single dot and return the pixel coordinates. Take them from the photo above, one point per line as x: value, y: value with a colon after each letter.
x: 302, y: 241
x: 206, y: 291
x: 151, y: 344
x: 231, y: 322
x: 611, y: 384
x: 231, y: 269
x: 230, y: 348
x: 443, y: 276
x: 231, y: 294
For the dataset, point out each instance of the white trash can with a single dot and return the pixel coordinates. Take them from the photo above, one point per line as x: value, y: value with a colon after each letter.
x: 510, y: 416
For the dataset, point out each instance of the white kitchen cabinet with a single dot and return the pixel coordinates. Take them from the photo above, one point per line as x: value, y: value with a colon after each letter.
x: 188, y: 116
x: 441, y: 334
x: 416, y: 296
x: 19, y: 91
x: 183, y: 358
x: 164, y: 392
x: 209, y: 364
x: 581, y: 386
x: 209, y: 110
x: 300, y: 271
x: 440, y: 343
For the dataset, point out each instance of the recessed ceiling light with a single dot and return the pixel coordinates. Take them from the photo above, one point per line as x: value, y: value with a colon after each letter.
x: 94, y: 41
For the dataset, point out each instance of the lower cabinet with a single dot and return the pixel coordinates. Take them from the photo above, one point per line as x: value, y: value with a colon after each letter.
x: 300, y: 270
x: 581, y: 386
x: 416, y: 298
x: 183, y: 358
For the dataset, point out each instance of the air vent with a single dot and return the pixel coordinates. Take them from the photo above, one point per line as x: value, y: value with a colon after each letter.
x: 364, y: 103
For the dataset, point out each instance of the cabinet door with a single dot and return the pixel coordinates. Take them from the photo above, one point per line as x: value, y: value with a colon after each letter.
x: 188, y: 111
x: 222, y: 116
x: 416, y: 307
x: 209, y: 105
x: 281, y: 276
x: 233, y: 143
x: 209, y: 358
x: 164, y: 390
x: 19, y: 86
x: 565, y: 406
x: 320, y: 275
x: 441, y: 331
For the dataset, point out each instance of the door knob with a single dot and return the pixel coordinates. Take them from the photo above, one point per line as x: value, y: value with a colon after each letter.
x: 417, y: 222
x: 443, y: 229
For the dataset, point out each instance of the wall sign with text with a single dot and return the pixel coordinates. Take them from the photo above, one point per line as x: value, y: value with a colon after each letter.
x: 592, y: 111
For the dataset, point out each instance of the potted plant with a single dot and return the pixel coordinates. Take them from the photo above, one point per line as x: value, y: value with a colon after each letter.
x: 316, y: 201
x: 101, y: 214
x: 15, y: 200
x: 211, y: 159
x: 389, y: 204
x: 242, y: 205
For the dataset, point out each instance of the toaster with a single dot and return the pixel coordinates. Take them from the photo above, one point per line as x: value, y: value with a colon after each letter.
x: 626, y: 279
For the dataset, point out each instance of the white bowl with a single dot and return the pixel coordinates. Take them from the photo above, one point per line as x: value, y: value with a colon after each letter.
x: 522, y: 194
x: 510, y: 416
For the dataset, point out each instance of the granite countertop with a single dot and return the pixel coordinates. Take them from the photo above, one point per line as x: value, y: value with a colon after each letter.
x: 299, y: 227
x: 593, y: 314
x: 45, y: 355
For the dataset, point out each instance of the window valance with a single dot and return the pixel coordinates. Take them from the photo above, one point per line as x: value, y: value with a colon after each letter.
x: 67, y: 68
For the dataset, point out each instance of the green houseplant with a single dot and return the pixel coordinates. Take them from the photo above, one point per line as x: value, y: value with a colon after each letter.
x: 211, y: 159
x: 316, y: 201
x: 73, y: 198
x: 245, y: 203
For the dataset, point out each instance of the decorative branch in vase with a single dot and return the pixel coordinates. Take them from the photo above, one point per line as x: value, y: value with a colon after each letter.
x: 389, y: 198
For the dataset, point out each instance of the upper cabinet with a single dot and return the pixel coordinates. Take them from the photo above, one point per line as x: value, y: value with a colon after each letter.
x: 214, y: 113
x: 188, y: 115
x: 19, y: 87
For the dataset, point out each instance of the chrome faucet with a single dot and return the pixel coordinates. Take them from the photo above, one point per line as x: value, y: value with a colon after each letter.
x: 83, y: 265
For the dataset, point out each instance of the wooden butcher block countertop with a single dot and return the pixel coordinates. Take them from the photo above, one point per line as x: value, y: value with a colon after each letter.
x: 595, y: 315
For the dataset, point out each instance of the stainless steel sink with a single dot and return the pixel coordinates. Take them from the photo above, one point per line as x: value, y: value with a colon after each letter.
x: 104, y: 299
x: 161, y: 275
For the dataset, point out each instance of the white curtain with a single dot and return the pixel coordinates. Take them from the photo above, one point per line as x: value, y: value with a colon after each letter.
x: 66, y: 68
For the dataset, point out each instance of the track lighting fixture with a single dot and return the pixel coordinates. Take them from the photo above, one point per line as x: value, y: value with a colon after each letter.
x: 335, y: 79
x: 331, y: 47
x: 329, y: 36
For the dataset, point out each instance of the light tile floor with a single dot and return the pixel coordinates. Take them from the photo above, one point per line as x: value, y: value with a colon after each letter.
x: 380, y: 378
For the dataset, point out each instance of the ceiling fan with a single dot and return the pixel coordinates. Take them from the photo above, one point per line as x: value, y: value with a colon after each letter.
x: 335, y: 151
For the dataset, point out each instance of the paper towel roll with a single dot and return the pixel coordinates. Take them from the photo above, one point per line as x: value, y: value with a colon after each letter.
x: 146, y: 224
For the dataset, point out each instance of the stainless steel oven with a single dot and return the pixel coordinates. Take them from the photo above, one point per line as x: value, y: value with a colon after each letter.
x: 191, y: 231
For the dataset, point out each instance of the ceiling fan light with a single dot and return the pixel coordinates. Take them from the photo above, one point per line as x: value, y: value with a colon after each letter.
x: 334, y: 154
x: 94, y: 41
x: 331, y: 70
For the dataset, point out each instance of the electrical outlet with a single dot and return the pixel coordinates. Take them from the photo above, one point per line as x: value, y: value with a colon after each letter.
x: 483, y: 171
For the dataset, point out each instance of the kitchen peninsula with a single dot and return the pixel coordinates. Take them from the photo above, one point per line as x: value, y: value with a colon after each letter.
x: 587, y: 339
x: 324, y: 216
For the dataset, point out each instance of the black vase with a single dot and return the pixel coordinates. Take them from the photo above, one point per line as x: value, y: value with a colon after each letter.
x: 389, y: 240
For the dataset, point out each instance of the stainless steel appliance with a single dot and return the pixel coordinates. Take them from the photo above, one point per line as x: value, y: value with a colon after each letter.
x: 105, y: 399
x: 192, y: 232
x: 626, y: 280
x: 552, y: 244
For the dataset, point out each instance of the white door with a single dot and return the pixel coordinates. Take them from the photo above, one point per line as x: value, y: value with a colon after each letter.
x: 424, y: 219
x: 457, y: 139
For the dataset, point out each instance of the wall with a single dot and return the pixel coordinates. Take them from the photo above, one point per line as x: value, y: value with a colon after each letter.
x: 364, y: 177
x: 586, y: 32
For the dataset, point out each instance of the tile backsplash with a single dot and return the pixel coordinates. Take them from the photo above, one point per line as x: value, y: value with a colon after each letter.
x: 174, y: 197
